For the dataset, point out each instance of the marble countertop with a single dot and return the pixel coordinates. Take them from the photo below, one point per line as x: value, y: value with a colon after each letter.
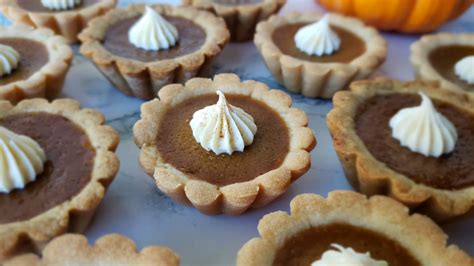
x: 136, y: 208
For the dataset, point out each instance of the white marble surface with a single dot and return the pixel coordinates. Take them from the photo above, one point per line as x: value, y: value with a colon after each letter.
x: 135, y: 207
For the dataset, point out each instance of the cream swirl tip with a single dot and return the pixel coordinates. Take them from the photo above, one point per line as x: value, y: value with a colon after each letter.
x: 60, y: 4
x: 317, y: 38
x: 464, y: 69
x: 152, y: 32
x: 223, y: 128
x: 21, y: 160
x: 9, y: 59
x: 423, y: 129
x: 347, y: 256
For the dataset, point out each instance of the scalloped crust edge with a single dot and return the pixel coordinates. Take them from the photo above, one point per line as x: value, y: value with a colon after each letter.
x: 319, y: 79
x: 236, y: 198
x: 241, y: 20
x: 73, y: 215
x: 421, y: 49
x: 370, y: 176
x: 144, y: 80
x: 417, y: 233
x: 67, y: 24
x: 48, y: 81
x: 110, y: 249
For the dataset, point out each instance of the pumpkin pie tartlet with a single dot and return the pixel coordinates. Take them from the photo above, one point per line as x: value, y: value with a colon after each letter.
x: 243, y: 151
x: 318, y: 55
x: 241, y: 16
x: 64, y: 17
x: 447, y: 58
x: 112, y: 249
x: 126, y: 46
x: 33, y: 63
x: 349, y: 229
x: 57, y: 162
x: 412, y: 141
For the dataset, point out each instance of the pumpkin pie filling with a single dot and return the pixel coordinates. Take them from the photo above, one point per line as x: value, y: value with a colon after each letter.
x: 177, y: 146
x: 34, y: 56
x: 191, y: 38
x: 451, y: 171
x: 67, y: 171
x: 308, y: 245
x: 444, y: 58
x: 351, y: 45
x: 37, y: 6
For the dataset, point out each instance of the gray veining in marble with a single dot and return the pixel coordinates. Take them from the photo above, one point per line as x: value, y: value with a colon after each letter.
x: 134, y: 206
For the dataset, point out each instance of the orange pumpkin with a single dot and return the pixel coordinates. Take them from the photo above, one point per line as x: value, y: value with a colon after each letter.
x: 401, y: 15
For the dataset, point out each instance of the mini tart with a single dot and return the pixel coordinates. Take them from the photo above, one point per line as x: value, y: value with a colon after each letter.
x: 213, y: 194
x: 74, y: 214
x: 241, y: 19
x: 371, y: 176
x: 431, y: 63
x: 45, y: 81
x: 319, y: 79
x: 416, y: 234
x: 112, y: 249
x: 144, y: 79
x: 68, y: 23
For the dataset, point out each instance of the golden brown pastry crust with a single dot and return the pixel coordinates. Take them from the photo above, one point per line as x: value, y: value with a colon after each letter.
x: 421, y: 50
x: 73, y: 215
x: 235, y: 198
x: 141, y: 79
x: 66, y: 23
x: 48, y: 81
x: 314, y: 79
x: 371, y: 176
x: 112, y: 249
x: 241, y: 20
x: 417, y: 233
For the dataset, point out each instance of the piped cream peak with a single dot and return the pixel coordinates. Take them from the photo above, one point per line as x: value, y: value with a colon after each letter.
x: 21, y: 160
x: 347, y: 256
x: 464, y: 69
x: 9, y: 60
x: 317, y: 38
x: 152, y: 32
x: 223, y: 128
x: 60, y: 4
x: 423, y: 129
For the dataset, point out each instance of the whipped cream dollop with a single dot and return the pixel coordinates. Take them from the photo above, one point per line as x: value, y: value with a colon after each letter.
x: 464, y: 69
x: 423, y: 129
x: 223, y: 128
x: 21, y: 160
x: 60, y: 4
x: 9, y: 59
x: 317, y: 38
x: 347, y: 257
x: 152, y: 32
